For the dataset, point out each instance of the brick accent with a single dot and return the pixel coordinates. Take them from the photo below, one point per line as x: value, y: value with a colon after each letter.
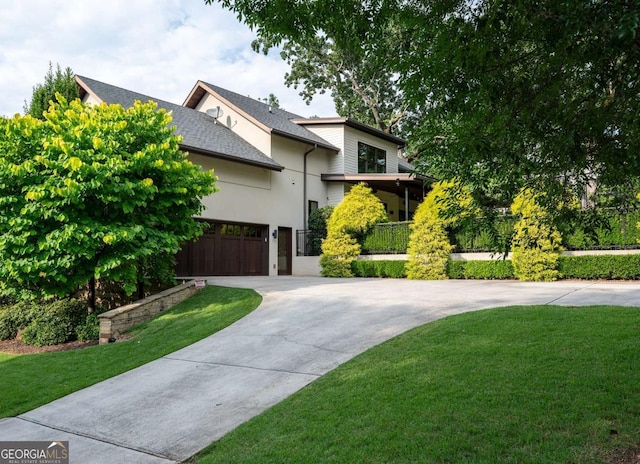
x: 113, y: 323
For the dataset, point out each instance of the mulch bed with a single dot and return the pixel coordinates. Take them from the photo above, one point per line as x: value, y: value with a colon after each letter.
x: 15, y: 346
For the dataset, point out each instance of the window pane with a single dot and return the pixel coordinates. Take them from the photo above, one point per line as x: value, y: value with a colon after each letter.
x: 371, y: 159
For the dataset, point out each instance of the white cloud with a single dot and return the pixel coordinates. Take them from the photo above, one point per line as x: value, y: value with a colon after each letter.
x: 156, y: 47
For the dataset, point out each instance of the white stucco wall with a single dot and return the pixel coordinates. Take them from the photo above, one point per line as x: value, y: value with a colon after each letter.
x: 260, y: 196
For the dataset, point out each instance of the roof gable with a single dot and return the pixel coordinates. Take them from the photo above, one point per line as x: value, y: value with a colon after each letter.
x: 265, y: 116
x: 199, y: 131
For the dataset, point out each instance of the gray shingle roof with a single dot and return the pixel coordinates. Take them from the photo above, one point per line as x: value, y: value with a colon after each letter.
x: 198, y: 130
x: 278, y: 120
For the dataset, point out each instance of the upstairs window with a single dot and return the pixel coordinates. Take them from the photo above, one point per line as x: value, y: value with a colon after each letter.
x: 371, y: 160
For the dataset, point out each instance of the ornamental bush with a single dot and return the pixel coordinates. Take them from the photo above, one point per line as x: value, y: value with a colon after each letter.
x: 536, y: 242
x: 359, y: 210
x: 56, y: 323
x: 93, y: 191
x: 429, y: 247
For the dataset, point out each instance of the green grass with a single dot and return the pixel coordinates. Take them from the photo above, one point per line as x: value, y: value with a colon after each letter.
x: 29, y: 381
x: 511, y: 385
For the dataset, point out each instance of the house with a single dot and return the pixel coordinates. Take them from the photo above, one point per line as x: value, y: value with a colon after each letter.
x: 274, y: 168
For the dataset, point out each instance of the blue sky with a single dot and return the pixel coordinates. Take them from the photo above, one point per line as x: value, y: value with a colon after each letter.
x: 156, y: 47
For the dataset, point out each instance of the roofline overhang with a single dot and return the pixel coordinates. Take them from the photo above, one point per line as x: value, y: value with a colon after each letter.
x: 326, y: 146
x: 354, y: 124
x: 401, y: 177
x: 213, y: 154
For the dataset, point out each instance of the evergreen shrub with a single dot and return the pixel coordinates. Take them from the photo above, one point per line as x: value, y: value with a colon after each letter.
x: 489, y: 270
x: 55, y: 323
x: 353, y: 217
x: 379, y: 268
x: 536, y: 243
x: 592, y: 267
x: 14, y: 318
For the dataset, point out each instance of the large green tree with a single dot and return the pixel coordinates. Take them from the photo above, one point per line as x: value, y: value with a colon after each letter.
x: 57, y: 81
x: 511, y: 93
x: 93, y: 192
x: 346, y: 58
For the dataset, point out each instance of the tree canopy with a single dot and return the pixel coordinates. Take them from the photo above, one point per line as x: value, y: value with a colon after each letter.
x: 345, y: 58
x: 509, y: 94
x: 91, y: 192
x: 60, y: 81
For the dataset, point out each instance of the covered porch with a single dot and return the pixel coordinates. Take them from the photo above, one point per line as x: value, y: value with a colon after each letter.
x: 401, y: 192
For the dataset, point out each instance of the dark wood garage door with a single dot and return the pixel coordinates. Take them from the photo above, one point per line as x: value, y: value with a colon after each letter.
x: 226, y: 249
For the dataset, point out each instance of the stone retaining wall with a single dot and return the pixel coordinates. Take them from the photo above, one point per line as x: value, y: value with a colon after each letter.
x: 113, y: 323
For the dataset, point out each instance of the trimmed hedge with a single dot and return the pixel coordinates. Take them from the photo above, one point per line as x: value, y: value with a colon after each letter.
x: 386, y: 268
x: 489, y: 270
x: 592, y: 267
x: 589, y: 267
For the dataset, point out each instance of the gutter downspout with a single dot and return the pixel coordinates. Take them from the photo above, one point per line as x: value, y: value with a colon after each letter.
x: 304, y: 185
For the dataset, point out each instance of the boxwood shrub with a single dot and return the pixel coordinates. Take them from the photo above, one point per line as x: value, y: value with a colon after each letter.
x: 489, y: 270
x: 385, y: 268
x: 588, y: 267
x: 611, y: 267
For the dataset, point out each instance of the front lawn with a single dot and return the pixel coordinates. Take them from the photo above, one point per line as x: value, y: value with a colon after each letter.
x: 29, y: 381
x: 511, y: 385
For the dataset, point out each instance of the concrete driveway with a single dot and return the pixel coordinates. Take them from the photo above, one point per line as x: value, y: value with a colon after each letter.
x: 169, y: 409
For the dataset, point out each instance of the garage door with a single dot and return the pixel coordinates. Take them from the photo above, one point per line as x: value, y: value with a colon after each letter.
x: 226, y: 249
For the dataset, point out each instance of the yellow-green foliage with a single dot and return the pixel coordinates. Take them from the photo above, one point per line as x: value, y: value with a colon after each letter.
x: 429, y: 247
x: 356, y: 214
x: 536, y: 243
x: 338, y: 252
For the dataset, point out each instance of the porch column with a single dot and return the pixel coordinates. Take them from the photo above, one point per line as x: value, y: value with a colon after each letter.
x: 406, y: 203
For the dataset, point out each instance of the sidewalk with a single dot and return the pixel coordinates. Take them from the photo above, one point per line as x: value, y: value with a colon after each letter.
x: 171, y: 408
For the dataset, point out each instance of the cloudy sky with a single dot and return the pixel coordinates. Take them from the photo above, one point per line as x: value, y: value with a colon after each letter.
x: 156, y: 47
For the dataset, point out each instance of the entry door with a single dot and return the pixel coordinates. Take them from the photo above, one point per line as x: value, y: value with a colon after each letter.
x: 284, y: 250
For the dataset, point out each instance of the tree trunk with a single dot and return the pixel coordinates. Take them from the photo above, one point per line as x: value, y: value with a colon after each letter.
x: 92, y: 294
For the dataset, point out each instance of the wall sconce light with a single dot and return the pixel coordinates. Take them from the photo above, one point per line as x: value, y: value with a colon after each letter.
x: 275, y: 233
x: 397, y: 182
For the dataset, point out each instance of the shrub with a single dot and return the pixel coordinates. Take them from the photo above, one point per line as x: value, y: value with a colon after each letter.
x: 536, y: 243
x: 614, y: 267
x: 339, y: 250
x: 383, y: 268
x: 490, y: 270
x: 16, y: 317
x: 429, y: 245
x: 56, y: 323
x: 317, y: 224
x: 354, y: 216
x: 89, y: 329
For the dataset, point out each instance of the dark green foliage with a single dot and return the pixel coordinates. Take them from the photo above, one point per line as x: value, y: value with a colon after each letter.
x: 490, y: 270
x: 15, y: 317
x: 61, y: 82
x: 382, y: 268
x: 56, y: 323
x: 89, y: 329
x: 317, y: 224
x: 613, y: 267
x: 391, y: 237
